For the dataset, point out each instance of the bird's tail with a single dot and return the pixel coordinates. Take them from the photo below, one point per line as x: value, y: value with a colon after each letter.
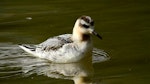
x: 29, y: 49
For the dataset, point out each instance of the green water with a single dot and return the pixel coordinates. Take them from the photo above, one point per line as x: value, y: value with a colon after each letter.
x: 124, y: 26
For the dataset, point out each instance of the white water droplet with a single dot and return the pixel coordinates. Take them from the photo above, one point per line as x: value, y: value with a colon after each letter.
x: 29, y: 18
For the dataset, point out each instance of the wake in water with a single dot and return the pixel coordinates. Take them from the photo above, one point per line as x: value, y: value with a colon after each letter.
x: 14, y: 62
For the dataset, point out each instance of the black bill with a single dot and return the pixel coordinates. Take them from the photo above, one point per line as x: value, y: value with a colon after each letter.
x: 96, y: 34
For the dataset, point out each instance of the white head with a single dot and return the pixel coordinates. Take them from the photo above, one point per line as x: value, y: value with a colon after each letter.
x: 84, y: 26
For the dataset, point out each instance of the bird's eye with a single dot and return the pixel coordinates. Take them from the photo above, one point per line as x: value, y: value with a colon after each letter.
x: 92, y: 23
x: 86, y: 26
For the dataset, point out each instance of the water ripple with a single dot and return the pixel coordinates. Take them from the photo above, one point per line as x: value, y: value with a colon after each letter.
x: 15, y: 62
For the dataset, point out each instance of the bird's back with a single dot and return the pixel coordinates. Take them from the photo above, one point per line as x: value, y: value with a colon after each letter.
x: 56, y: 42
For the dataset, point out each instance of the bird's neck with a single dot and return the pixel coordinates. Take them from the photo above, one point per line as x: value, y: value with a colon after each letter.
x: 80, y: 37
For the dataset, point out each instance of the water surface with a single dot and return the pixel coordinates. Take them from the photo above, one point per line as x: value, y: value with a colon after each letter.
x: 124, y: 26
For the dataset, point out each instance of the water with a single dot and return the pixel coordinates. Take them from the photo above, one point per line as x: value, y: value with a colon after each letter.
x: 124, y: 26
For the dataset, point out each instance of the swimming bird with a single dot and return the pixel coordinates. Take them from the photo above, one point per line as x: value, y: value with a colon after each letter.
x: 67, y: 48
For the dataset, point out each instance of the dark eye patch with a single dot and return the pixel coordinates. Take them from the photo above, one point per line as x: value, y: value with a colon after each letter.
x: 86, y: 26
x: 92, y: 23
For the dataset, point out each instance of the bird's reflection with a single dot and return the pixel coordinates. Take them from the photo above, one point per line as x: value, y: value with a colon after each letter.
x: 80, y: 73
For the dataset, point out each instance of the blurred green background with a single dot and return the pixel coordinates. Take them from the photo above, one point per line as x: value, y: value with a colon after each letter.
x: 123, y: 24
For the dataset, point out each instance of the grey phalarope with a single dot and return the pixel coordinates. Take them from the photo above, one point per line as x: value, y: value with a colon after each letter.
x: 67, y: 48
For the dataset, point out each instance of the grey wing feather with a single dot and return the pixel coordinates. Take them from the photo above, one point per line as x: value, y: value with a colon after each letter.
x: 55, y: 42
